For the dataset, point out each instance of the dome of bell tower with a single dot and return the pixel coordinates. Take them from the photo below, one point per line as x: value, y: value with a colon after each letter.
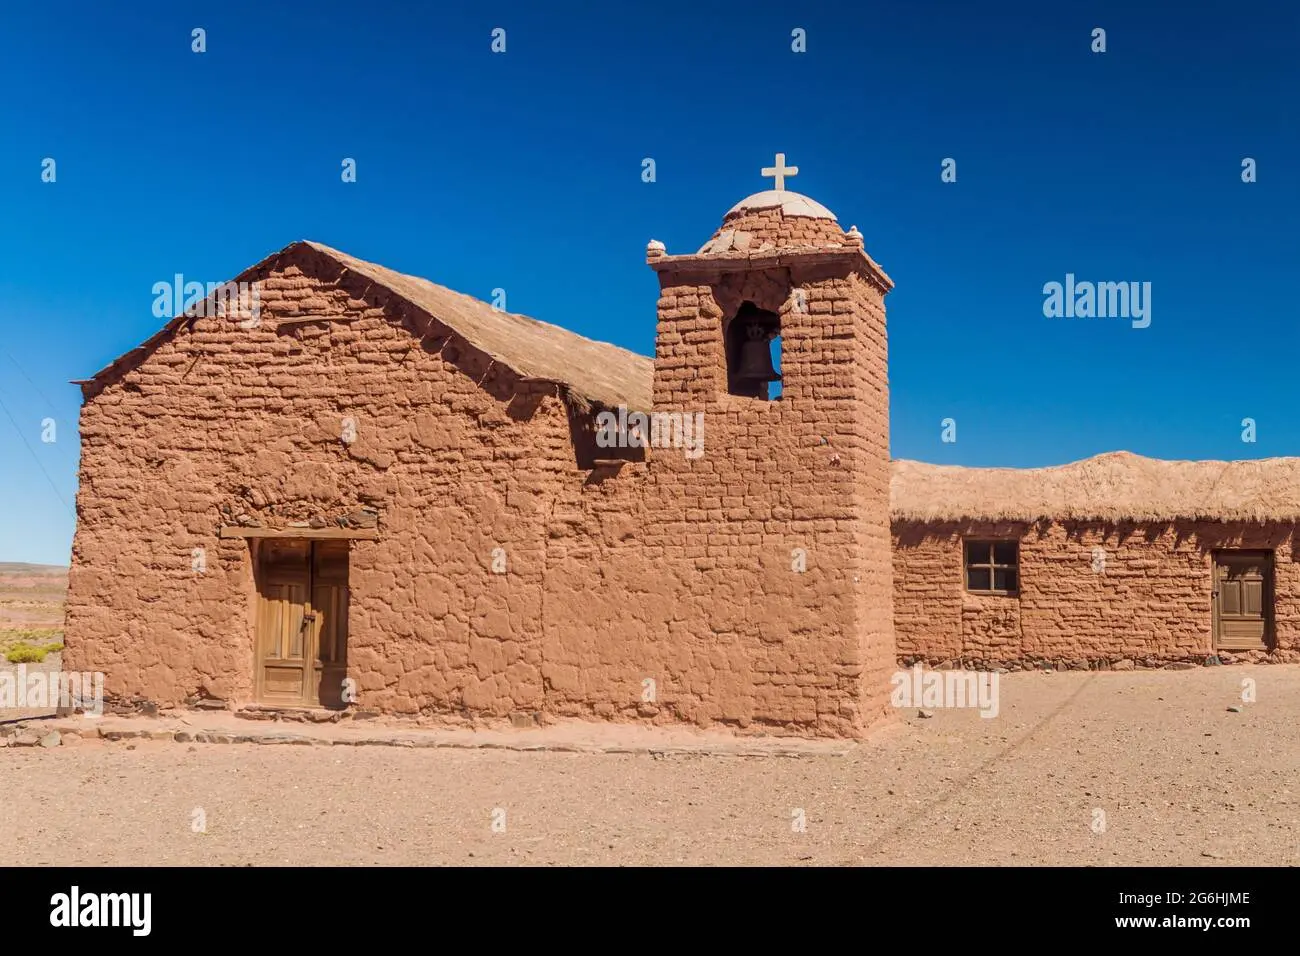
x: 777, y: 220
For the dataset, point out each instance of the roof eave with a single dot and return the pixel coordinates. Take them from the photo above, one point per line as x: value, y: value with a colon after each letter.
x: 722, y: 263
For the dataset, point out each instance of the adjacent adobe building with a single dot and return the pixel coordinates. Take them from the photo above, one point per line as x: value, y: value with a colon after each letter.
x: 374, y: 492
x: 1116, y: 559
x: 367, y: 491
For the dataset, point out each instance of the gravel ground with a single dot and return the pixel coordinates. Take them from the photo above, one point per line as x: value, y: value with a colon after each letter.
x: 1179, y: 778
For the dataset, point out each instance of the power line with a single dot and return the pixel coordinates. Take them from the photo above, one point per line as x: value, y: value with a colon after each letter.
x: 35, y: 458
x: 32, y: 384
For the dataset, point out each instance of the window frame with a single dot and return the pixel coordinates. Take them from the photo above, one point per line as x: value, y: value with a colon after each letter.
x: 992, y: 565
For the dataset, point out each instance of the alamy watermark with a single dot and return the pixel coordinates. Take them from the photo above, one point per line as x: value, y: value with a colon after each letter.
x: 930, y: 688
x: 131, y: 911
x: 41, y: 690
x: 240, y: 301
x: 626, y: 429
x: 1098, y: 300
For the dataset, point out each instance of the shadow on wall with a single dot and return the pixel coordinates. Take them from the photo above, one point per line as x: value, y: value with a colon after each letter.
x: 914, y: 534
x: 1206, y: 536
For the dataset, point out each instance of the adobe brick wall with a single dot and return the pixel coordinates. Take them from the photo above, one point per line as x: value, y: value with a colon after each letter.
x: 1150, y: 604
x: 223, y: 422
x: 782, y: 231
x: 733, y: 632
x: 673, y: 570
x: 874, y: 579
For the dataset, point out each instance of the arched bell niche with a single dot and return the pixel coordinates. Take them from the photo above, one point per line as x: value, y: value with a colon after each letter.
x: 752, y: 337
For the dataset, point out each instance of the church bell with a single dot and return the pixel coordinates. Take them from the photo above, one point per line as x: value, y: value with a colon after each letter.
x: 755, y: 359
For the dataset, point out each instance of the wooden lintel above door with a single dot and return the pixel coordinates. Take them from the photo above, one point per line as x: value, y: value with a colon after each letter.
x: 318, y: 534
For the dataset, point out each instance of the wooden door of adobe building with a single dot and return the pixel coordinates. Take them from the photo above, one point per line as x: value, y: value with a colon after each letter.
x: 1242, y: 600
x: 302, y: 622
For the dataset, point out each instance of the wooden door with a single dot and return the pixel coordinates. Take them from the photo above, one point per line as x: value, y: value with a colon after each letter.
x: 301, y: 622
x: 329, y: 632
x: 1242, y: 605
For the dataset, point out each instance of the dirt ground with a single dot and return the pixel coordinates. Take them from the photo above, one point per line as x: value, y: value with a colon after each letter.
x: 1180, y: 780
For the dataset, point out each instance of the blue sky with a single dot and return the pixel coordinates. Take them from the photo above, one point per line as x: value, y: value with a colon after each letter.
x: 522, y: 171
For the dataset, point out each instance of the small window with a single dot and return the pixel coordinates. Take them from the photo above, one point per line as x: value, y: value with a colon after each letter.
x: 993, y: 567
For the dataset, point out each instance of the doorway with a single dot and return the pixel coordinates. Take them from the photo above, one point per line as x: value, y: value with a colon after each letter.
x: 1242, y: 600
x: 302, y: 622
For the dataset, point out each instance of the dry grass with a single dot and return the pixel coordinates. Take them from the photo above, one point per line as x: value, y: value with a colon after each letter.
x: 25, y: 653
x: 1115, y: 486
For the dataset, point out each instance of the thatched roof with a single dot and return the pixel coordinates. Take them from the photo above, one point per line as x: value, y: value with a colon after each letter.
x: 1115, y: 486
x: 595, y: 372
x: 590, y: 372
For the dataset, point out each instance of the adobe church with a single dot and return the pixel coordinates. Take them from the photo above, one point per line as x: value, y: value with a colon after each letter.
x: 384, y: 496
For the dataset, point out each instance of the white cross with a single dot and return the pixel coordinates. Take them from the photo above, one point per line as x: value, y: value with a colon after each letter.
x: 780, y: 171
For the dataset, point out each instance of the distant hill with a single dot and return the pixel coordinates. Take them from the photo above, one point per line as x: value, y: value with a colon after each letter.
x: 18, y: 567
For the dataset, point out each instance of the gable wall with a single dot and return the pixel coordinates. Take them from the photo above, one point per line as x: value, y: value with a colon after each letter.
x: 224, y: 421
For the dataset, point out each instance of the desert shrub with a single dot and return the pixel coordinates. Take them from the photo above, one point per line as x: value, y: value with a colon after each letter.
x: 24, y: 653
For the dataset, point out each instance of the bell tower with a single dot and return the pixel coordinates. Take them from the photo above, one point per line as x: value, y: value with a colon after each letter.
x: 778, y: 534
